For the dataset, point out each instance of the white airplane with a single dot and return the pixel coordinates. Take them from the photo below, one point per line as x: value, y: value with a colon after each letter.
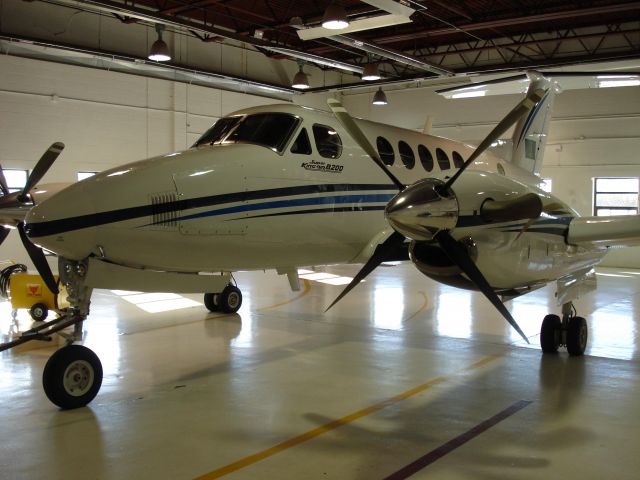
x: 282, y: 186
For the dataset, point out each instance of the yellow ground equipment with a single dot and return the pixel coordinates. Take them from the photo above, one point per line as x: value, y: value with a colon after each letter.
x: 27, y: 291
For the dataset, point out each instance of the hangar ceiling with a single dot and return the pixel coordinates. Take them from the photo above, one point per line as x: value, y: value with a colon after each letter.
x: 426, y: 39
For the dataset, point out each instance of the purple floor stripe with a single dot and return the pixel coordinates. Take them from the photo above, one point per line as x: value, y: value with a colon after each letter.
x: 460, y: 440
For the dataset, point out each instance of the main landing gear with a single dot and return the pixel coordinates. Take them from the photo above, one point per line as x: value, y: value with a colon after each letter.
x: 227, y: 301
x: 570, y: 331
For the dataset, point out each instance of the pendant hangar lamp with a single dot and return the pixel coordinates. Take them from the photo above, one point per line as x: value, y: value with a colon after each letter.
x: 301, y: 79
x: 335, y: 17
x: 159, y: 50
x: 379, y: 98
x: 371, y: 72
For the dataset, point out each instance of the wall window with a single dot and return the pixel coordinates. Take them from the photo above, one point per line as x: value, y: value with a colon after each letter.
x: 385, y: 150
x: 16, y: 178
x: 615, y: 196
x: 426, y: 159
x: 83, y: 175
x: 457, y: 160
x: 406, y: 154
x: 443, y: 159
x: 328, y: 142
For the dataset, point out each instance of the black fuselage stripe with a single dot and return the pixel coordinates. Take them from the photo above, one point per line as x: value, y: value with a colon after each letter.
x: 317, y: 210
x: 53, y: 227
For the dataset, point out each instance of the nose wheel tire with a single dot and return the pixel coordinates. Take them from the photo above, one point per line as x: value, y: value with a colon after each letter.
x: 72, y: 377
x: 212, y: 301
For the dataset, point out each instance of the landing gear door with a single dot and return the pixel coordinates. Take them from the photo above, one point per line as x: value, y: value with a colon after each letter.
x: 212, y: 207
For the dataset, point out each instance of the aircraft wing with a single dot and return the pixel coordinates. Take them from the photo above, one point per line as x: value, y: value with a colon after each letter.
x: 604, y: 232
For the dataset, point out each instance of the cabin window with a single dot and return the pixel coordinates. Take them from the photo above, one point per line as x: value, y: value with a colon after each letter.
x: 458, y: 161
x: 425, y: 158
x: 406, y: 155
x: 443, y: 159
x: 615, y: 196
x: 385, y: 150
x: 328, y: 142
x: 218, y: 131
x: 271, y: 130
x: 302, y: 145
x: 16, y: 178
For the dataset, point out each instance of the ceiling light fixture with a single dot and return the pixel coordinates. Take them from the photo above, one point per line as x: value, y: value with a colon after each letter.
x: 379, y: 98
x: 335, y: 17
x: 159, y: 50
x: 301, y: 79
x: 371, y: 72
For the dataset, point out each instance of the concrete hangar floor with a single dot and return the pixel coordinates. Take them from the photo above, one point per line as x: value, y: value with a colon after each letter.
x: 402, y: 379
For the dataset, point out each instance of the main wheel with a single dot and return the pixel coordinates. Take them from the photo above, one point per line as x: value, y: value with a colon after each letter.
x: 550, y: 333
x: 39, y: 312
x: 212, y: 302
x: 72, y: 377
x: 577, y: 334
x: 230, y: 299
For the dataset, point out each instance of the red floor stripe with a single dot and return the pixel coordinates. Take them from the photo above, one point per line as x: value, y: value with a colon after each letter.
x: 460, y: 440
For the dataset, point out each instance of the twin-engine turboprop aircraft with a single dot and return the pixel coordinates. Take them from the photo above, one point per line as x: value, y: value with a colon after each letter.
x: 282, y: 186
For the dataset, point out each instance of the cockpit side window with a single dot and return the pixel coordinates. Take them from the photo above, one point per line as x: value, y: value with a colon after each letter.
x: 328, y: 142
x: 271, y: 130
x: 301, y: 144
x: 218, y: 131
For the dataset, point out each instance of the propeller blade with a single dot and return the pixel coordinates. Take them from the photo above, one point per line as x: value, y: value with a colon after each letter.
x: 525, y: 206
x: 352, y: 128
x: 458, y: 253
x: 3, y: 183
x: 512, y: 117
x: 3, y: 234
x: 382, y: 253
x: 37, y: 257
x: 42, y: 167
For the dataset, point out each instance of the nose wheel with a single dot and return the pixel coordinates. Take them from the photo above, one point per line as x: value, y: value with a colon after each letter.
x: 571, y: 332
x: 72, y: 377
x: 227, y: 301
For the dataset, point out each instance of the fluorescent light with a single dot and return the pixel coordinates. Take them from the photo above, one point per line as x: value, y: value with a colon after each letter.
x: 337, y: 281
x: 318, y: 276
x: 627, y: 82
x: 168, y: 305
x: 475, y: 93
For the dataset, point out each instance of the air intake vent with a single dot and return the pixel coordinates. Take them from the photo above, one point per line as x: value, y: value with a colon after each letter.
x: 164, y: 210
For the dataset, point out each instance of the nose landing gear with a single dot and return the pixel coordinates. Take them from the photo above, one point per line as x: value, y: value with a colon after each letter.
x: 571, y: 332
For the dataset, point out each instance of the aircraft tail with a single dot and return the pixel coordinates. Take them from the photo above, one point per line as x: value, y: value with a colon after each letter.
x: 531, y: 132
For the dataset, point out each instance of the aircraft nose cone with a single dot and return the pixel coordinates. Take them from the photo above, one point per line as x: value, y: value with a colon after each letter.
x: 419, y: 211
x: 61, y: 223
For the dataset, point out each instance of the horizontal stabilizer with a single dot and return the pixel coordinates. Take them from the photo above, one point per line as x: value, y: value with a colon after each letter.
x: 618, y: 231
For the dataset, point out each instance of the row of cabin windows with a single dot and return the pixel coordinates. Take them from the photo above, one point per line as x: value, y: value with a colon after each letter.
x: 329, y: 145
x: 408, y: 158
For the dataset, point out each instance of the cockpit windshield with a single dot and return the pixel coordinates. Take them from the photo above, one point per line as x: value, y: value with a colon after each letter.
x: 271, y: 130
x: 219, y: 130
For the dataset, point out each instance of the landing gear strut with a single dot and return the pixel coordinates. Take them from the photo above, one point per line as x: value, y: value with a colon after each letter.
x: 570, y: 331
x: 227, y: 301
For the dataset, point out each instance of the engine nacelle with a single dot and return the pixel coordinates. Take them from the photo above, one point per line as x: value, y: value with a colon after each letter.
x: 432, y: 261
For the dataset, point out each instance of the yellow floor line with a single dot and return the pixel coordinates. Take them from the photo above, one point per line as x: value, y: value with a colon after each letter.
x: 422, y: 308
x: 305, y: 291
x: 256, y: 457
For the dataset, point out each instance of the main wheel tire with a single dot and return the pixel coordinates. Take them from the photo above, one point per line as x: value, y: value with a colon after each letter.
x: 39, y: 312
x: 230, y: 299
x: 72, y: 377
x: 577, y: 335
x: 212, y: 301
x: 550, y: 333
